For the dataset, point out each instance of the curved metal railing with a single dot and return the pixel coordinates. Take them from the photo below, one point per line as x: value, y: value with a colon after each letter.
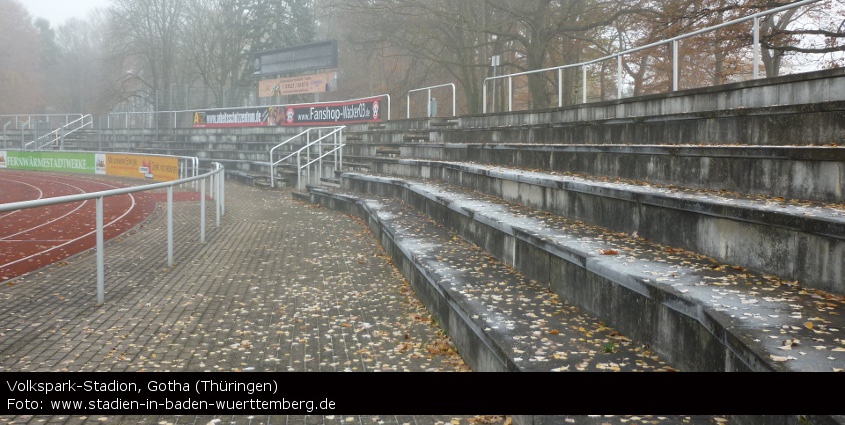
x: 216, y: 176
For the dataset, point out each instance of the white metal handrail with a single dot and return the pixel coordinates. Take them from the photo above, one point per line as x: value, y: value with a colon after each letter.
x: 29, y: 117
x: 337, y: 151
x: 336, y: 131
x: 408, y: 101
x: 216, y: 176
x: 63, y: 131
x: 756, y: 47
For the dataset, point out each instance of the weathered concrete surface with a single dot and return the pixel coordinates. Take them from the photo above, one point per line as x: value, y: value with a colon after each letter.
x: 795, y: 109
x: 801, y: 173
x: 806, y: 124
x: 499, y: 320
x: 699, y: 314
x: 793, y: 241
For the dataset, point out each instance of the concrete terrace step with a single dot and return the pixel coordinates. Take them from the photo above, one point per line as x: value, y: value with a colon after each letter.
x: 696, y: 312
x: 796, y: 172
x: 498, y: 319
x: 796, y: 241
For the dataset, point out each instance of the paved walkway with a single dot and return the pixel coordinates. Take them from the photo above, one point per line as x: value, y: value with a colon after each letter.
x: 281, y: 286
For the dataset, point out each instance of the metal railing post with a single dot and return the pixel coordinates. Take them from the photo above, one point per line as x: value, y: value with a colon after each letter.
x: 619, y: 77
x: 560, y: 87
x: 510, y: 94
x: 756, y: 48
x: 170, y: 226
x: 101, y: 262
x: 584, y: 83
x: 675, y: 69
x: 202, y: 211
x: 218, y: 199
x: 484, y: 97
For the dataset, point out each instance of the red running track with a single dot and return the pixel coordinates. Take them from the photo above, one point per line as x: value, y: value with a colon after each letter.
x: 36, y: 237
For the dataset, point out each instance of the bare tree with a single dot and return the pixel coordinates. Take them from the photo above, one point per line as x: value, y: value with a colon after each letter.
x: 432, y: 37
x: 148, y: 33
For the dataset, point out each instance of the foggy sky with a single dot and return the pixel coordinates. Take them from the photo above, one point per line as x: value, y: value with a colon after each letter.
x: 58, y: 11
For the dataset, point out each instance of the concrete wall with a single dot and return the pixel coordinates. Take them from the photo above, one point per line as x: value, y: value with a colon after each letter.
x: 803, y: 173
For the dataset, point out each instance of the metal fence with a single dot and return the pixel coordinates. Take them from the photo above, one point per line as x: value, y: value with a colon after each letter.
x: 215, y: 177
x: 599, y: 69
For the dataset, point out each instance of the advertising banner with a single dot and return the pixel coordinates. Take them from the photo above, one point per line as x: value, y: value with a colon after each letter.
x: 243, y: 117
x: 338, y: 113
x: 157, y: 168
x: 50, y: 161
x: 301, y: 115
x: 317, y: 83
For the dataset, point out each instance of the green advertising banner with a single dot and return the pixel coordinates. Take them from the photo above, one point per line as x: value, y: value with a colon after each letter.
x: 50, y: 161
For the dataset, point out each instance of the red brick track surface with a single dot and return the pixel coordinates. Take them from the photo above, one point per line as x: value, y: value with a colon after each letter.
x: 36, y: 237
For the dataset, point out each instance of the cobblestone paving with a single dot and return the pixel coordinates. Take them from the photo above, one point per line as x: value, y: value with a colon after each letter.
x: 280, y: 286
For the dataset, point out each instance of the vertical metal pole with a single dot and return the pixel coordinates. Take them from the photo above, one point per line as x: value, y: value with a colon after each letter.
x: 202, y: 211
x: 560, y: 87
x: 584, y: 84
x: 320, y: 161
x: 307, y: 164
x: 756, y: 48
x: 340, y: 151
x: 454, y: 102
x: 510, y: 94
x: 219, y: 198
x: 101, y: 263
x: 675, y: 70
x: 408, y: 105
x: 619, y: 77
x: 222, y: 191
x: 484, y: 97
x: 428, y: 114
x: 170, y: 226
x: 272, y: 166
x: 298, y: 173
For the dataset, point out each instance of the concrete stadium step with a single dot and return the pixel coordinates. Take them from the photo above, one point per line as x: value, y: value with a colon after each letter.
x: 792, y: 172
x: 499, y: 319
x: 804, y: 242
x: 698, y: 313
